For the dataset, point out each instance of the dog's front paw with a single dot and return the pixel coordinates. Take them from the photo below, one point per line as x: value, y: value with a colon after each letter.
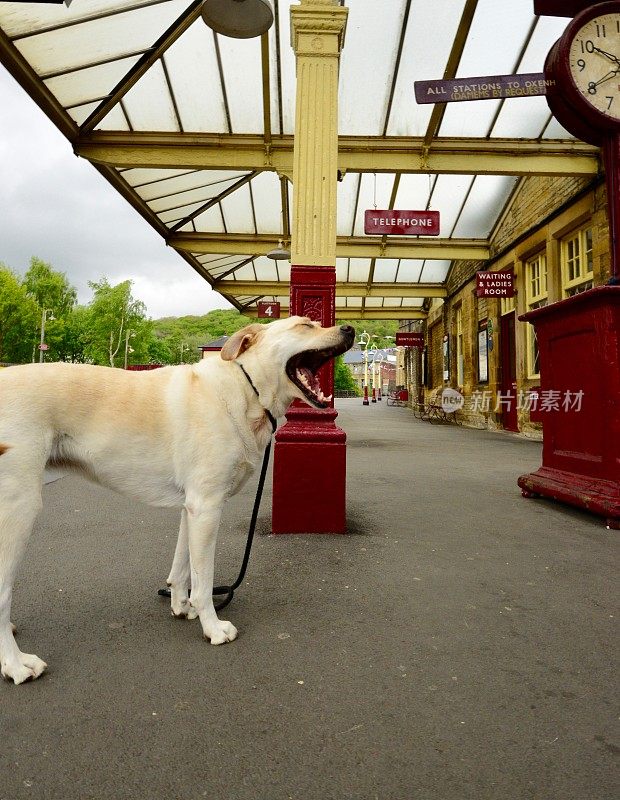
x: 25, y: 668
x: 220, y: 632
x: 182, y: 609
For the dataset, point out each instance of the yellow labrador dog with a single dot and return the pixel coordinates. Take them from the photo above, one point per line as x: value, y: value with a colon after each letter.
x: 186, y: 436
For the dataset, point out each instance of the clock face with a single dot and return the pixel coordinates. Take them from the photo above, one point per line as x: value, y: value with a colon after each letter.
x: 594, y: 63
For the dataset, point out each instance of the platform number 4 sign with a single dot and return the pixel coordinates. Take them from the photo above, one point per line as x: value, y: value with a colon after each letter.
x: 269, y: 310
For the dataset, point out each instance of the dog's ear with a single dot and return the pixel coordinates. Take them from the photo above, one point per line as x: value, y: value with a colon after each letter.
x: 240, y: 341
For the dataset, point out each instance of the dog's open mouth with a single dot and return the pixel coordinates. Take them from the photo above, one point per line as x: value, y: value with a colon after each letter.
x: 302, y: 370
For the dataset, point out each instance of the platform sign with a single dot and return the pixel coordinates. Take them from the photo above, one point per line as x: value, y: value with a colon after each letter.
x: 269, y: 310
x: 489, y: 87
x: 500, y: 283
x: 410, y: 340
x: 401, y: 223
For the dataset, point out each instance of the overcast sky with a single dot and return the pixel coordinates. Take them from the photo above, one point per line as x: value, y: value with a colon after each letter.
x: 57, y: 207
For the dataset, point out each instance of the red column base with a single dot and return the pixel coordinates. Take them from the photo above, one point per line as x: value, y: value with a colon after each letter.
x: 600, y: 497
x: 309, y: 473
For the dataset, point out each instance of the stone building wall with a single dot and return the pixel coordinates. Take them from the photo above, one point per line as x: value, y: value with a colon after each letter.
x: 542, y: 211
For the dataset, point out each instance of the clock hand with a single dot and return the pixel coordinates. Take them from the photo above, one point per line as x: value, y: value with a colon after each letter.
x: 609, y: 55
x: 609, y: 75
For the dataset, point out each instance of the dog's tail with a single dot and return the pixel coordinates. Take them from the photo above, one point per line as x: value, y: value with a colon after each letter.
x: 4, y: 448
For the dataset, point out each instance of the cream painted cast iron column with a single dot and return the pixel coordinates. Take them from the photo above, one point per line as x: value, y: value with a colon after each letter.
x: 310, y: 451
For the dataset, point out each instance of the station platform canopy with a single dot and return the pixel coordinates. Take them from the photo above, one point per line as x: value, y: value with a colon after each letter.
x: 195, y: 130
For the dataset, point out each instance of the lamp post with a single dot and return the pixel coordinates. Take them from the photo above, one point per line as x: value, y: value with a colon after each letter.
x: 128, y: 335
x: 376, y: 364
x: 364, y: 342
x: 44, y: 318
x: 184, y: 348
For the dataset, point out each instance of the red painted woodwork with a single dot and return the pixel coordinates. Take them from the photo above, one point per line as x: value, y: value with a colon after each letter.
x: 579, y: 341
x: 611, y: 157
x: 560, y: 8
x: 309, y: 471
x: 508, y: 384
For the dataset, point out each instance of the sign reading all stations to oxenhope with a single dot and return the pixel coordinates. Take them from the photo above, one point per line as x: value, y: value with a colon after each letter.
x: 490, y: 87
x: 268, y: 310
x: 500, y: 283
x: 405, y: 339
x: 403, y: 223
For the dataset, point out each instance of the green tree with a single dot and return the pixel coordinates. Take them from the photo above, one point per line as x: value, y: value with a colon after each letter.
x: 53, y: 292
x: 343, y: 380
x: 49, y: 288
x: 116, y: 324
x: 19, y: 319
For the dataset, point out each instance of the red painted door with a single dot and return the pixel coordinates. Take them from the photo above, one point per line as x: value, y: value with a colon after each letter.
x: 508, y: 380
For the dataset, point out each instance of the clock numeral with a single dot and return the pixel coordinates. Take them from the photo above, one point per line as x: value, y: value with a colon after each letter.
x: 581, y: 64
x: 588, y: 47
x: 611, y: 98
x: 600, y: 30
x: 591, y: 88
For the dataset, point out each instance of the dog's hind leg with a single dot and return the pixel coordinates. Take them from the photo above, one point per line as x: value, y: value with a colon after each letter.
x: 179, y: 578
x: 19, y: 505
x: 203, y: 518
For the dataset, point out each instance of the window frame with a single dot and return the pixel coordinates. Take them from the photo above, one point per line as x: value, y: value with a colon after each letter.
x: 584, y: 259
x: 535, y: 299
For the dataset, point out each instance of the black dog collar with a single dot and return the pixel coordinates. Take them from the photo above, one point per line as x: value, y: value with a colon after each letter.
x: 270, y: 416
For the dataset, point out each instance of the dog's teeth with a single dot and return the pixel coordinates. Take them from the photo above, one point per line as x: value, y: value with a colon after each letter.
x: 328, y: 399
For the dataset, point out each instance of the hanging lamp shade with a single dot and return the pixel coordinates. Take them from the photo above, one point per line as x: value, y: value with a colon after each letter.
x: 241, y: 19
x: 280, y: 253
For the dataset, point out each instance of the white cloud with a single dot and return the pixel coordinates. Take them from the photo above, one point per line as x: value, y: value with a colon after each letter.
x: 59, y: 208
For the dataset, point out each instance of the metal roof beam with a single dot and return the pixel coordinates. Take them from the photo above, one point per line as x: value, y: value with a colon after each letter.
x: 461, y: 156
x: 357, y: 313
x: 346, y: 246
x: 279, y: 288
x: 353, y: 247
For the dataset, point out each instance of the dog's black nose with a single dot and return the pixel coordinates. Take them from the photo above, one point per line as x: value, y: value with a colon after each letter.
x: 348, y: 329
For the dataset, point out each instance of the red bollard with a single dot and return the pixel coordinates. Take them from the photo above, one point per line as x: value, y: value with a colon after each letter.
x: 365, y: 400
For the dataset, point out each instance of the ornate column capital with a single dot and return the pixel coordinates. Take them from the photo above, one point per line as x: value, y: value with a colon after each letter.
x: 318, y: 28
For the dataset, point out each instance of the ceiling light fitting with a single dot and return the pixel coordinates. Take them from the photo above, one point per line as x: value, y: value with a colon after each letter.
x: 280, y: 253
x: 240, y: 19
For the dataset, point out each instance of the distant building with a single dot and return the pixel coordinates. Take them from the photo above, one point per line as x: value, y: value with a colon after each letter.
x: 209, y: 349
x: 354, y: 360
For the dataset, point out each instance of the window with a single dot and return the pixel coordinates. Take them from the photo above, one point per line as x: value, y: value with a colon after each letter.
x: 460, y: 358
x: 536, y: 297
x: 577, y: 262
x: 507, y: 305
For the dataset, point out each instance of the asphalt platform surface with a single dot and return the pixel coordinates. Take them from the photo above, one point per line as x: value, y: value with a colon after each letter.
x: 458, y: 643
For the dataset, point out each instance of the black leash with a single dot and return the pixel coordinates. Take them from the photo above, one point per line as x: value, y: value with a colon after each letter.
x: 229, y: 591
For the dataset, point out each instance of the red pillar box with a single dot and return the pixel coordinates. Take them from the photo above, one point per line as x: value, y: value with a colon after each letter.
x: 309, y: 468
x: 579, y: 342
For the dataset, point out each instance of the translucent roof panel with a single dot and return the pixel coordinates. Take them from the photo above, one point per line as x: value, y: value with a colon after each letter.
x: 409, y: 270
x: 97, y: 38
x: 267, y: 202
x: 449, y: 195
x: 362, y: 79
x: 192, y: 62
x: 207, y: 92
x: 485, y: 203
x: 426, y: 47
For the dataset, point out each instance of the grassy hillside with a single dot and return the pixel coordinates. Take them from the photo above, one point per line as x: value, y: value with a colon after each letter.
x: 184, y: 335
